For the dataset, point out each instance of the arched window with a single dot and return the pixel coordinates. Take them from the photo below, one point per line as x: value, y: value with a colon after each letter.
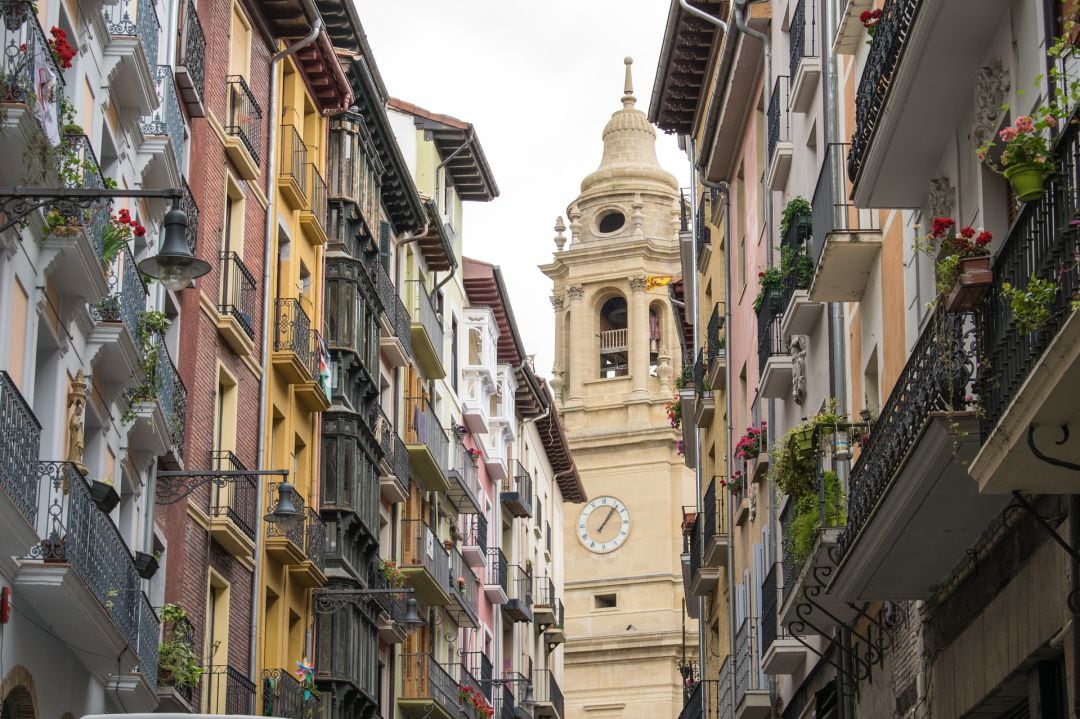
x: 614, y: 346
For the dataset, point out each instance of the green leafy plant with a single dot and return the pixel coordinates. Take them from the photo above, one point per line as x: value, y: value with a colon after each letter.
x: 769, y: 280
x: 796, y: 262
x: 674, y: 412
x: 808, y: 515
x: 795, y: 207
x: 1031, y: 306
x: 794, y: 470
x: 151, y: 323
x: 178, y: 664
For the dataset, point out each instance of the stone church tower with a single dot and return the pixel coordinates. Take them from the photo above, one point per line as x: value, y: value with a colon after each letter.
x: 617, y: 351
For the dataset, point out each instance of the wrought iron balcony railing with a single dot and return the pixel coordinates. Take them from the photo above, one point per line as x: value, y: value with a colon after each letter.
x: 75, y: 532
x: 771, y: 340
x: 135, y: 18
x: 25, y: 56
x: 479, y: 666
x: 768, y: 608
x: 832, y: 210
x: 424, y: 428
x: 886, y: 50
x: 424, y: 678
x: 191, y: 209
x: 802, y: 34
x: 315, y: 539
x: 294, y: 158
x: 166, y: 119
x: 748, y: 676
x: 462, y: 673
x: 714, y: 339
x: 292, y: 331
x: 544, y: 592
x: 696, y: 542
x: 422, y: 548
x: 702, y: 233
x: 779, y: 121
x: 726, y: 710
x: 463, y: 471
x: 127, y: 295
x: 237, y: 500
x: 165, y: 383
x: 521, y: 584
x: 462, y: 584
x: 547, y: 691
x: 224, y: 690
x: 393, y: 450
x: 702, y: 702
x: 496, y: 568
x: 423, y: 311
x: 396, y: 314
x: 193, y: 57
x: 284, y: 696
x: 316, y: 187
x: 938, y: 377
x: 20, y: 443
x: 1044, y: 239
x: 395, y: 605
x: 714, y: 510
x: 795, y: 263
x: 474, y: 528
x: 149, y: 638
x: 239, y: 298
x: 244, y: 115
x: 517, y: 490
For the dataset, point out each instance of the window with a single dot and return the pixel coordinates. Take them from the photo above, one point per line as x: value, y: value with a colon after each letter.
x: 614, y: 346
x: 217, y: 638
x: 454, y: 352
x: 740, y: 209
x: 239, y: 43
x: 611, y: 222
x: 605, y: 601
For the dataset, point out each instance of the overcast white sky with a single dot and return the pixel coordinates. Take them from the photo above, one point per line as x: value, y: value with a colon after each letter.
x: 538, y: 80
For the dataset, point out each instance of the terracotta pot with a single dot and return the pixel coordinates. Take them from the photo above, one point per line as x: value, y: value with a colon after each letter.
x: 971, y: 285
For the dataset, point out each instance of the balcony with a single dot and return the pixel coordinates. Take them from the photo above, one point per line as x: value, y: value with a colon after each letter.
x: 347, y: 651
x: 780, y: 148
x: 131, y: 56
x: 716, y: 343
x: 921, y: 52
x: 516, y: 497
x: 395, y: 339
x: 394, y: 465
x: 914, y: 511
x: 474, y: 543
x: 705, y: 401
x: 26, y: 57
x: 774, y: 357
x: 496, y: 588
x: 805, y: 63
x: 313, y: 216
x: 427, y: 331
x: 224, y: 690
x: 116, y: 323
x: 161, y: 133
x: 781, y: 655
x: 555, y: 633
x: 238, y: 305
x: 846, y: 240
x: 544, y: 601
x: 714, y: 531
x: 160, y: 406
x: 190, y: 66
x: 725, y: 699
x: 703, y: 701
x: 479, y: 371
x: 464, y: 491
x: 85, y: 584
x: 20, y: 443
x: 464, y: 589
x: 234, y: 507
x: 243, y: 128
x: 393, y: 609
x: 548, y: 695
x: 502, y: 430
x: 702, y: 235
x: 479, y: 667
x: 293, y: 355
x: 191, y: 209
x: 518, y: 606
x: 851, y: 35
x: 348, y: 483
x: 751, y: 688
x: 426, y: 563
x: 284, y: 696
x: 350, y: 314
x: 799, y: 314
x: 1033, y: 375
x: 299, y: 544
x: 428, y: 445
x: 427, y: 689
x: 292, y: 178
x: 703, y: 578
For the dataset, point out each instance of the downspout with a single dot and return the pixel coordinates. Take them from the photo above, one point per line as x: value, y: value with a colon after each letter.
x: 695, y: 324
x: 269, y: 243
x: 702, y: 15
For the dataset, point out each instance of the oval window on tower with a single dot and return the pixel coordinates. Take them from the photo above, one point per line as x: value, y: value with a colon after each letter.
x: 611, y: 221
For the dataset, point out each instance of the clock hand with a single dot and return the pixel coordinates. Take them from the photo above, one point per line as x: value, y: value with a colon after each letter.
x: 607, y: 519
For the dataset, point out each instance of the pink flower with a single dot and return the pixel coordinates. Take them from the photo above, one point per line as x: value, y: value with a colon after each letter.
x: 1008, y: 134
x: 1024, y: 123
x: 1050, y: 120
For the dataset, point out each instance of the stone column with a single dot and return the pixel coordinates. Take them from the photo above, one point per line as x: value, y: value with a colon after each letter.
x: 580, y: 353
x: 639, y: 339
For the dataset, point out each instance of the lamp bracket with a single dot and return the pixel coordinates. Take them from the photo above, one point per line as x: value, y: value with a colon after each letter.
x: 174, y: 486
x: 328, y: 601
x: 18, y: 202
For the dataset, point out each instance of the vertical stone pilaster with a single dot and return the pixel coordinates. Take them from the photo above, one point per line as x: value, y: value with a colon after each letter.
x: 639, y: 338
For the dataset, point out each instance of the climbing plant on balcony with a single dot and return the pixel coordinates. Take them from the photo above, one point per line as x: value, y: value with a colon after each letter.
x: 797, y: 209
x: 152, y: 323
x: 178, y: 664
x: 808, y: 515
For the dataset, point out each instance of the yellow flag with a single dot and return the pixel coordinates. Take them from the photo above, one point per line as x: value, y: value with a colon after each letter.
x: 654, y: 281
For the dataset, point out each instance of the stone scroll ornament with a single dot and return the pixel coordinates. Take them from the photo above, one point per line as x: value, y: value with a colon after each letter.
x: 991, y: 84
x: 942, y: 197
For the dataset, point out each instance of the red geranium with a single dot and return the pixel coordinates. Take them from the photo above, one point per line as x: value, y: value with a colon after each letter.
x: 62, y: 50
x: 870, y: 20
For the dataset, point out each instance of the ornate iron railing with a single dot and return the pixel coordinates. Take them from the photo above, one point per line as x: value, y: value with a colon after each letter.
x: 284, y: 696
x: 795, y: 263
x: 496, y: 568
x: 393, y: 450
x: 701, y: 365
x: 149, y: 634
x: 424, y: 678
x: 294, y: 157
x: 696, y: 547
x: 193, y: 49
x: 1044, y: 243
x: 295, y: 529
x: 293, y: 330
x: 422, y: 548
x: 316, y: 187
x: 802, y: 37
x: 789, y: 565
x: 171, y: 394
x: 135, y: 18
x: 126, y: 300
x: 20, y: 442
x: 244, y: 115
x: 26, y: 60
x: 191, y: 209
x: 703, y: 700
x: 886, y: 50
x: 547, y: 691
x: 462, y: 672
x: 239, y: 298
x: 768, y: 608
x: 474, y: 527
x: 462, y: 584
x: 714, y: 338
x: 74, y: 531
x: 478, y: 664
x: 425, y: 428
x: 166, y: 119
x: 423, y: 311
x: 395, y: 605
x: 771, y: 340
x: 226, y: 690
x: 938, y: 377
x: 779, y: 122
x: 238, y: 499
x: 315, y: 539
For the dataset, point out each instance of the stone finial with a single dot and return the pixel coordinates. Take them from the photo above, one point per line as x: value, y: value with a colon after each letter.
x: 628, y: 98
x: 560, y: 228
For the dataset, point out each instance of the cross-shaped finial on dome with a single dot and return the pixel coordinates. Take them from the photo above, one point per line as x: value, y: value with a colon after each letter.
x: 628, y: 98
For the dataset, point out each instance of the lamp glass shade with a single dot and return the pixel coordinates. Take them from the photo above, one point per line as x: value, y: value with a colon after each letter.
x: 412, y: 617
x: 285, y: 510
x: 174, y: 265
x: 529, y: 700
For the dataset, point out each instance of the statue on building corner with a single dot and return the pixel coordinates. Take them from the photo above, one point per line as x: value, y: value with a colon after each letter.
x: 77, y: 421
x: 798, y: 368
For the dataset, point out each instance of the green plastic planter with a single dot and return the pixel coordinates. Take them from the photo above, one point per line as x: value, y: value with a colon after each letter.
x: 1026, y: 180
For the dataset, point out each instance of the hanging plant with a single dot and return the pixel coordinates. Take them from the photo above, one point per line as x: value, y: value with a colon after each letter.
x: 798, y: 210
x: 674, y: 412
x: 1031, y: 306
x: 770, y: 282
x: 808, y: 519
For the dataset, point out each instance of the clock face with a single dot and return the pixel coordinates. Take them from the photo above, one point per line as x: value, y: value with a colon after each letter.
x: 604, y: 525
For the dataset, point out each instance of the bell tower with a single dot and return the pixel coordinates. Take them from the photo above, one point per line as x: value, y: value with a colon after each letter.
x: 617, y: 349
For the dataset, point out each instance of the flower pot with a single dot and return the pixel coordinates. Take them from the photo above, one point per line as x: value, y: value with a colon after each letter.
x: 447, y: 544
x: 1026, y: 179
x: 146, y: 565
x: 840, y: 444
x: 971, y: 284
x: 104, y: 496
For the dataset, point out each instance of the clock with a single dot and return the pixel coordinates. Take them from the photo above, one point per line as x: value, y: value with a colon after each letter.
x: 604, y: 525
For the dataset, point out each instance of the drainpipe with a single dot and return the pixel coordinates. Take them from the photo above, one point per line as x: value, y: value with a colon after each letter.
x: 268, y: 235
x: 701, y: 14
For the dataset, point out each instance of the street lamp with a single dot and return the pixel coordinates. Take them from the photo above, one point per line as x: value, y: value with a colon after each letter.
x: 328, y: 601
x: 174, y: 265
x: 174, y: 486
x: 529, y: 700
x: 285, y: 510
